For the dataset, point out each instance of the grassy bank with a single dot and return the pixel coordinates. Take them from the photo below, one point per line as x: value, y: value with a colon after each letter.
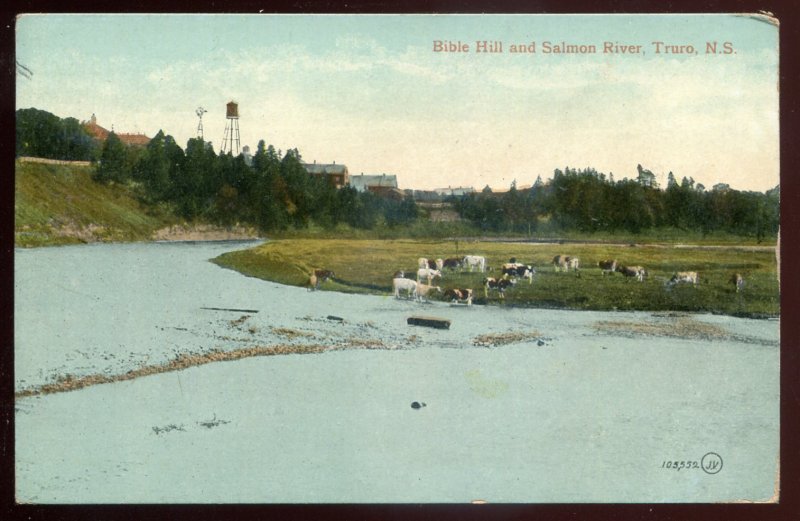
x: 366, y: 266
x: 60, y: 204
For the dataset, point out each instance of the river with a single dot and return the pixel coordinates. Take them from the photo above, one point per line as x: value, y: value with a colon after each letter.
x: 569, y: 413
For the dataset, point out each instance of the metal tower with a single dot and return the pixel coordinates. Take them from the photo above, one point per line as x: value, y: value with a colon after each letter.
x: 200, y: 111
x: 231, y: 138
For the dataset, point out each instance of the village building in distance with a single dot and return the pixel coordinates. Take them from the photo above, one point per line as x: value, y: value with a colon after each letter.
x: 337, y: 175
x: 101, y: 134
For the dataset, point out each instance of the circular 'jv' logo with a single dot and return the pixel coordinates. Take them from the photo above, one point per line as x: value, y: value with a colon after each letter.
x: 711, y: 463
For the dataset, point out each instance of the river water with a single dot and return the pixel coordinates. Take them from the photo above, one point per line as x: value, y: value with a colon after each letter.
x: 571, y: 415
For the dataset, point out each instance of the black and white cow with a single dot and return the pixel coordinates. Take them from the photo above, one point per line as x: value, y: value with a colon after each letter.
x: 517, y: 270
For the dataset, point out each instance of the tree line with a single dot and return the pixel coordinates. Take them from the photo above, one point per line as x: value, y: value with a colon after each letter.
x: 274, y: 191
x: 588, y: 201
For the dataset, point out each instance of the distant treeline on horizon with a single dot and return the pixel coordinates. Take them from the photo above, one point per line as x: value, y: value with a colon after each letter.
x: 275, y: 192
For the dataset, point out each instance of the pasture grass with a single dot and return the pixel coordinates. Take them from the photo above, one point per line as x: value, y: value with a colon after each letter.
x: 366, y: 266
x: 61, y: 204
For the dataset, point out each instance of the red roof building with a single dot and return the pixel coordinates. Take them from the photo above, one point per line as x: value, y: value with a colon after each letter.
x: 101, y: 134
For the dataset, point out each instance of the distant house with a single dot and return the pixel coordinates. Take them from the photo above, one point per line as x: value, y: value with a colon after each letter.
x: 336, y: 175
x: 457, y: 191
x: 378, y: 184
x: 101, y: 134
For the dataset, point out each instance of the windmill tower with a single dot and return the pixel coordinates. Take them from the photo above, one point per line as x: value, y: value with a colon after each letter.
x: 200, y: 111
x: 231, y: 138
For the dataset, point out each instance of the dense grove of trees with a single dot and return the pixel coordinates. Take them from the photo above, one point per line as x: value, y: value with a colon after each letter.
x: 588, y: 201
x: 275, y: 191
x: 42, y: 134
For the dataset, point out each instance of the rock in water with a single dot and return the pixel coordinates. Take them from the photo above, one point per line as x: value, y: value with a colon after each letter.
x: 417, y: 405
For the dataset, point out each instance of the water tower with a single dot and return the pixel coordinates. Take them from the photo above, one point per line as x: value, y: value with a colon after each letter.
x: 231, y: 138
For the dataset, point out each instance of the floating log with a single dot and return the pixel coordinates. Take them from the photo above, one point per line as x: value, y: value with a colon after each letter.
x: 438, y: 323
x: 334, y: 317
x: 233, y: 309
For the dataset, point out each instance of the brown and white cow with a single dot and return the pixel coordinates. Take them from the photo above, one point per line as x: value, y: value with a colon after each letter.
x: 500, y: 285
x: 319, y: 276
x: 566, y: 263
x: 459, y: 295
x: 737, y: 281
x: 608, y: 266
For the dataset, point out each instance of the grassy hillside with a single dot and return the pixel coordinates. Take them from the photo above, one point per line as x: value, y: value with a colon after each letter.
x: 60, y: 204
x: 366, y: 266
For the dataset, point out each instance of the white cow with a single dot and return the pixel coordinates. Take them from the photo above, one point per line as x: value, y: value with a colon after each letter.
x: 683, y: 277
x: 474, y: 261
x: 401, y: 284
x: 637, y: 272
x: 428, y: 274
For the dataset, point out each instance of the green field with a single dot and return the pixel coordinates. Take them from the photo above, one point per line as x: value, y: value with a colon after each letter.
x: 366, y: 266
x: 61, y: 204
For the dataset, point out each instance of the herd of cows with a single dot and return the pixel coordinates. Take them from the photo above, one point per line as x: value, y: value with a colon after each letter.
x: 512, y: 271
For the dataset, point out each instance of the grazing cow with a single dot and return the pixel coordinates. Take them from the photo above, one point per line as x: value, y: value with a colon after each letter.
x: 451, y: 263
x: 459, y: 295
x: 683, y: 277
x: 573, y: 263
x: 633, y: 271
x: 323, y: 275
x: 401, y: 284
x: 737, y: 281
x: 428, y: 274
x: 424, y: 289
x: 497, y: 284
x: 474, y: 261
x: 608, y: 266
x: 312, y: 282
x: 434, y: 264
x: 515, y: 269
x: 560, y: 263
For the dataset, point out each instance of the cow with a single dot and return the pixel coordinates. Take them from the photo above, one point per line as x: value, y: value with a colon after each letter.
x: 515, y: 269
x: 497, y: 284
x: 318, y: 276
x: 474, y: 261
x: 323, y: 275
x: 451, y: 263
x: 683, y: 277
x: 428, y: 274
x: 400, y: 284
x: 560, y: 263
x: 608, y: 266
x: 737, y: 281
x: 459, y: 295
x: 424, y: 289
x: 633, y: 271
x: 573, y: 263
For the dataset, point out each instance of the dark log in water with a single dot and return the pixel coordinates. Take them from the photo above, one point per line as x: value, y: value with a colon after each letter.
x: 438, y: 323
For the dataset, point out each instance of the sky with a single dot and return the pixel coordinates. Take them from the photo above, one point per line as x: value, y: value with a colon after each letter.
x: 370, y: 92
